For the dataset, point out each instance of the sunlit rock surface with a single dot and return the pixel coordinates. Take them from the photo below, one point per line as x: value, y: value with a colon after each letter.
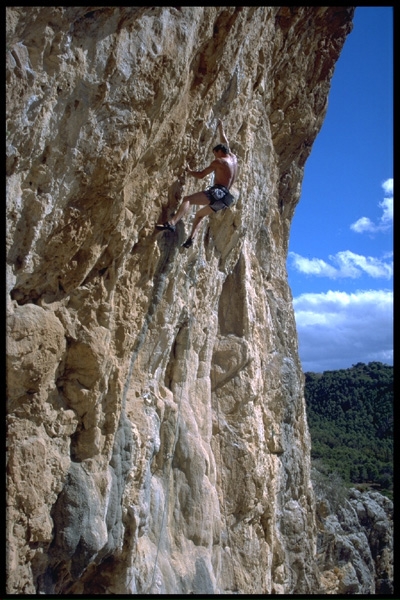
x: 157, y: 437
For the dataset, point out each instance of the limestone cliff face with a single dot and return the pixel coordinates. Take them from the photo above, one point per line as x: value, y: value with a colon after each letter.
x: 355, y: 545
x: 157, y: 437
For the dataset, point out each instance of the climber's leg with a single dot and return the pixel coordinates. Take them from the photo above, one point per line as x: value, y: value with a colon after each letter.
x: 203, y: 212
x: 198, y: 198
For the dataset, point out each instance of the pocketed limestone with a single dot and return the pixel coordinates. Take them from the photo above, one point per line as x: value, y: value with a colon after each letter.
x: 157, y: 437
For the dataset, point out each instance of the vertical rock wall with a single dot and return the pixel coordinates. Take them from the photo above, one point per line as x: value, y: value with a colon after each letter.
x: 157, y: 438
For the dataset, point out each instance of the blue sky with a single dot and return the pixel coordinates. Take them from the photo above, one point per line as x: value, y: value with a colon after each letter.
x: 340, y: 262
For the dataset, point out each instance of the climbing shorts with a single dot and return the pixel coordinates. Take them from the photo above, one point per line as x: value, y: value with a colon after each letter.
x: 219, y: 197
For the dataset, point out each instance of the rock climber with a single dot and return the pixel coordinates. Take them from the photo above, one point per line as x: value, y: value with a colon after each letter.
x: 215, y: 198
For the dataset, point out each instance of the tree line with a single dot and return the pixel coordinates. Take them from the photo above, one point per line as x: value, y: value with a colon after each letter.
x: 350, y: 417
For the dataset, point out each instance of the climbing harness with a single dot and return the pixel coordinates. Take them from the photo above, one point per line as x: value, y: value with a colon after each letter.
x: 219, y: 196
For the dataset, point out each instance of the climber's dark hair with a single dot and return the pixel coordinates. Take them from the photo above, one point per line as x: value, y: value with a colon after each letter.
x: 221, y: 147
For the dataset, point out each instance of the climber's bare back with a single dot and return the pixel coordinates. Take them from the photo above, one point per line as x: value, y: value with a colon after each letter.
x: 225, y: 170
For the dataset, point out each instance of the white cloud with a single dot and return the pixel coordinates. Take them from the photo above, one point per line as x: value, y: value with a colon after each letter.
x: 348, y: 264
x: 353, y: 265
x: 312, y: 266
x: 364, y: 224
x: 387, y: 207
x: 337, y: 329
x: 388, y: 187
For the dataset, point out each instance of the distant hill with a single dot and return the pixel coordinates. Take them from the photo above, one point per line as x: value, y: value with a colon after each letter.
x: 350, y: 416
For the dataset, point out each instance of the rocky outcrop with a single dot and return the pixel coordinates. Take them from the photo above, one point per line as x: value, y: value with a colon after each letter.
x: 355, y: 545
x: 157, y: 437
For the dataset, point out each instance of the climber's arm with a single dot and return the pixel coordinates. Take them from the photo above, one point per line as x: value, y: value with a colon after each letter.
x: 201, y: 174
x: 222, y: 135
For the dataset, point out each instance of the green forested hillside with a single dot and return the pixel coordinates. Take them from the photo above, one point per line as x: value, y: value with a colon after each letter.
x: 350, y: 416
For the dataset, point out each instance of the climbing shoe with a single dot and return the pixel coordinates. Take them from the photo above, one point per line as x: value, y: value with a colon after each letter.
x: 188, y: 243
x: 166, y: 227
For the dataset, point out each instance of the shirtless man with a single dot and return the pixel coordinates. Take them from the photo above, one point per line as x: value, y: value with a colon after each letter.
x: 216, y: 197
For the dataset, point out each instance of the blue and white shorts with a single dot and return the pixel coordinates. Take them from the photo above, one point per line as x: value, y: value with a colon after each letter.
x: 219, y: 197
